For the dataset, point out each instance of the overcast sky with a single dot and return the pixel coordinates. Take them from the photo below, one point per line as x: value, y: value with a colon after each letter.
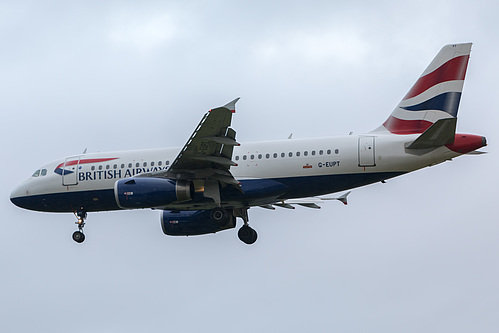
x: 417, y: 254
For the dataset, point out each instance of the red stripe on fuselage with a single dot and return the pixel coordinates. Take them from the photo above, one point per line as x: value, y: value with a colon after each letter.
x: 454, y: 69
x: 85, y: 161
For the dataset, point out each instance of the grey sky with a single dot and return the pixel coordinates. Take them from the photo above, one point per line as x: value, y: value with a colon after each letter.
x: 416, y: 254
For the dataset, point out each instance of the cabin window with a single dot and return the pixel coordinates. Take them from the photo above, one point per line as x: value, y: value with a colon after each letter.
x: 252, y: 157
x: 329, y: 151
x: 107, y: 167
x: 267, y: 156
x: 152, y: 163
x: 160, y: 163
x: 36, y: 174
x: 92, y: 168
x: 336, y: 151
x: 44, y: 172
x: 321, y: 152
x: 122, y: 165
x: 244, y: 157
x: 167, y: 162
x: 237, y: 158
x: 137, y: 165
x: 275, y: 155
x: 305, y: 153
x: 259, y: 156
x: 129, y: 165
x: 297, y: 153
x: 100, y: 167
x: 115, y: 166
x: 290, y: 154
x: 283, y: 155
x: 313, y: 152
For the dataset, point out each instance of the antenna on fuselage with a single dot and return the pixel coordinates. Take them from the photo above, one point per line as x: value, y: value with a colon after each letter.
x: 85, y: 151
x: 290, y: 136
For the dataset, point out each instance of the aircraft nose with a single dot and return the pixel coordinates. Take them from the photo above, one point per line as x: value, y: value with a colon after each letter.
x: 18, y: 195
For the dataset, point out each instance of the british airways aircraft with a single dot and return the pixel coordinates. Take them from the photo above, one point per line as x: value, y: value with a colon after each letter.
x: 204, y: 186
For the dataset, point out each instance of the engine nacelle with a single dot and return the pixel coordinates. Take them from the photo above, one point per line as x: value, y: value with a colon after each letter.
x: 151, y: 192
x: 195, y: 222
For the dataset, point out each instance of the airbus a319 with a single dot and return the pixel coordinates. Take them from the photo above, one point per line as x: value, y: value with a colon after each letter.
x: 204, y: 186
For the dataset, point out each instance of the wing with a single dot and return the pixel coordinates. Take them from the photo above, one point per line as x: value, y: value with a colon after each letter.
x: 312, y: 202
x: 207, y: 156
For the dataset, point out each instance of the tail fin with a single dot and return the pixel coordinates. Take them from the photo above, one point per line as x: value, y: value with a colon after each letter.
x: 435, y: 95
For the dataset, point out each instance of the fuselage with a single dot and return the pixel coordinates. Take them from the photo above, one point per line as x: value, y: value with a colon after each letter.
x: 267, y: 171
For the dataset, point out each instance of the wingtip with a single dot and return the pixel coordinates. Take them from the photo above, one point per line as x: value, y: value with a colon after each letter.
x: 232, y: 105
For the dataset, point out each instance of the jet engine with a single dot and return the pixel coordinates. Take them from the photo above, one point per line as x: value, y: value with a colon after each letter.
x: 151, y: 192
x: 195, y: 222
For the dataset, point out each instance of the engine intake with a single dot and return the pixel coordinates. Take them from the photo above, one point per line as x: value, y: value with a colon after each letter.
x: 151, y: 192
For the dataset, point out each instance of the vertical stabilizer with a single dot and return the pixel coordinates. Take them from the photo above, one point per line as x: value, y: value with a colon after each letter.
x: 435, y: 95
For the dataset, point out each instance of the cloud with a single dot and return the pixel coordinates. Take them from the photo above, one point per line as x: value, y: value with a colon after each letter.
x: 143, y: 32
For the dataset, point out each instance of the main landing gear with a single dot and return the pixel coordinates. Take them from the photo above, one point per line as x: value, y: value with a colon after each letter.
x: 246, y: 233
x: 81, y: 215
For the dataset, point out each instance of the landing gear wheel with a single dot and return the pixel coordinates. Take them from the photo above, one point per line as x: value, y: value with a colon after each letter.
x: 78, y: 236
x: 219, y: 216
x: 247, y: 234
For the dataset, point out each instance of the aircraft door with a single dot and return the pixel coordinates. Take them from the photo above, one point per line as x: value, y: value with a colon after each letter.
x: 366, y: 151
x: 70, y: 171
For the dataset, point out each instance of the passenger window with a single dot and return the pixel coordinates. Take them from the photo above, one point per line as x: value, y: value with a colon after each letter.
x: 115, y: 166
x: 100, y: 167
x: 167, y: 162
x: 92, y: 168
x: 44, y: 172
x: 160, y: 163
x: 237, y: 158
x: 36, y: 174
x: 336, y: 151
x: 313, y: 152
x: 329, y: 151
x: 137, y: 165
x: 275, y: 155
x: 290, y: 154
x: 129, y: 165
x: 108, y: 166
x: 145, y: 164
x: 259, y: 156
x: 283, y: 155
x: 152, y: 163
x: 244, y: 157
x: 321, y: 152
x: 297, y: 153
x: 267, y: 156
x: 122, y: 165
x: 305, y: 153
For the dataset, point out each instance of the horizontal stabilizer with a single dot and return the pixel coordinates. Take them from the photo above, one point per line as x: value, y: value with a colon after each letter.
x: 442, y: 132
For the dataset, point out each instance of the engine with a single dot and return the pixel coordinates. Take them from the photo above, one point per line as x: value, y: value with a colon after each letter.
x: 196, y: 222
x: 151, y: 192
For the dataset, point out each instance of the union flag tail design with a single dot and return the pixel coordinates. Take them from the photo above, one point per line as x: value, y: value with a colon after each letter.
x: 435, y: 95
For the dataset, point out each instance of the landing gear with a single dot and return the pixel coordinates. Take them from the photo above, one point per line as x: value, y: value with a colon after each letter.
x: 81, y: 215
x: 246, y: 233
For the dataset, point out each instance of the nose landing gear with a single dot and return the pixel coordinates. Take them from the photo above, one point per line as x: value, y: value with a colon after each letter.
x: 81, y: 215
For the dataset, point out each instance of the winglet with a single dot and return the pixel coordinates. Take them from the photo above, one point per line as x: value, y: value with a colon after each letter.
x: 231, y: 105
x: 343, y: 198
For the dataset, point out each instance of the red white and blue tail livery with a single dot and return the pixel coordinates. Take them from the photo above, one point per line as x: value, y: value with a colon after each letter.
x: 205, y: 185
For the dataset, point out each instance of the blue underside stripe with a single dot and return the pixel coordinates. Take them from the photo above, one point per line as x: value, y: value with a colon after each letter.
x: 295, y: 187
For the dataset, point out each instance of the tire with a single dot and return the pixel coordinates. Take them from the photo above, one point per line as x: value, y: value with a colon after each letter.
x: 78, y: 236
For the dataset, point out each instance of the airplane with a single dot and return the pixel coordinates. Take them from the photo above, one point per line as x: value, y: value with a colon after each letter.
x: 204, y: 186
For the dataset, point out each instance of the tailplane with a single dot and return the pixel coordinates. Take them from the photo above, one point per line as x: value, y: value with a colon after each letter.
x: 434, y: 96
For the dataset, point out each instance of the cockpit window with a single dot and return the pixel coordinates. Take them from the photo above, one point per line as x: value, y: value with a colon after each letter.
x: 36, y: 174
x: 44, y: 172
